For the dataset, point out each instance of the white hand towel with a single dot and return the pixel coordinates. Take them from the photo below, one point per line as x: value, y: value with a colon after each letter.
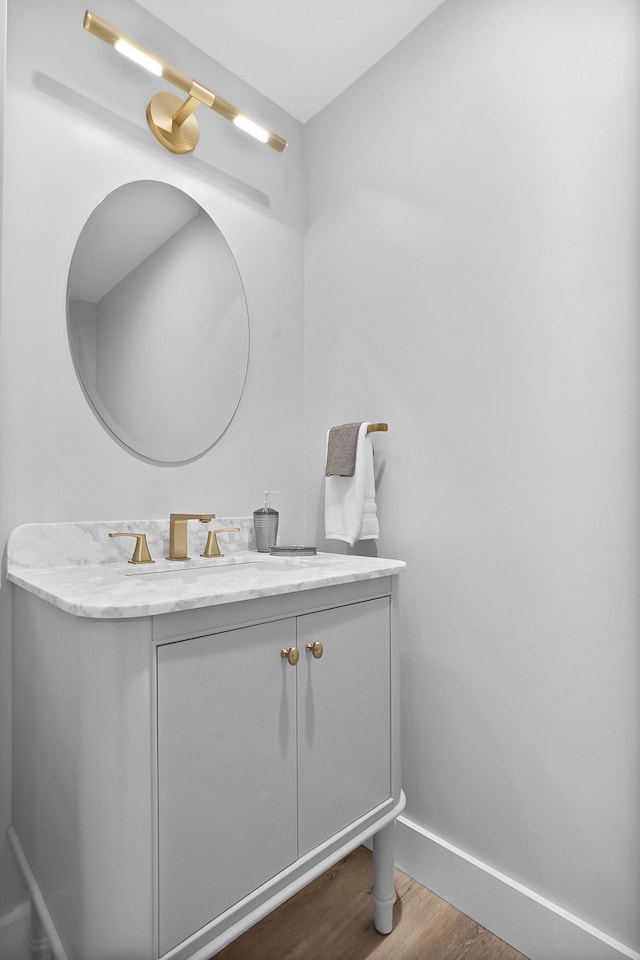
x: 350, y: 511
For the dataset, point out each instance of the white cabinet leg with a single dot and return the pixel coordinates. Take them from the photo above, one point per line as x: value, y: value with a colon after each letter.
x: 39, y: 945
x: 383, y: 893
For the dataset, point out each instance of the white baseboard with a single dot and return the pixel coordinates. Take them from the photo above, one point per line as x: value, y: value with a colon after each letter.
x: 14, y: 933
x: 529, y: 922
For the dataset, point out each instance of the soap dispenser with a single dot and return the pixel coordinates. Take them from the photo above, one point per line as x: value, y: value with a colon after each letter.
x: 265, y: 524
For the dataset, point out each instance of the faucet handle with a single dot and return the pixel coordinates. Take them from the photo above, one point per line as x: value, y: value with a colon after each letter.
x: 212, y: 548
x: 141, y: 550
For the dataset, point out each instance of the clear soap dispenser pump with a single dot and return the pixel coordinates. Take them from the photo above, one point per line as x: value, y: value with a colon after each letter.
x: 265, y: 524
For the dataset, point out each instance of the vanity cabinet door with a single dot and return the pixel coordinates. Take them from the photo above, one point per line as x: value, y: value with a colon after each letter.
x: 344, y: 718
x: 226, y: 771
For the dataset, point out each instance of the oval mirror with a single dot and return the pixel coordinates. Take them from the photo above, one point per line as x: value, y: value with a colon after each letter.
x: 157, y: 322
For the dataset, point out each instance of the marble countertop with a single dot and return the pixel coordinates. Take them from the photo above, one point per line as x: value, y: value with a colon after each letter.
x: 78, y: 568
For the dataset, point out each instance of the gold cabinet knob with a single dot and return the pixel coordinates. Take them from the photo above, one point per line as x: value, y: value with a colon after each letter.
x: 292, y: 655
x: 316, y: 649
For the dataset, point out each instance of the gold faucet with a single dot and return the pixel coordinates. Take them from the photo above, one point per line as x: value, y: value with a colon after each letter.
x: 178, y: 533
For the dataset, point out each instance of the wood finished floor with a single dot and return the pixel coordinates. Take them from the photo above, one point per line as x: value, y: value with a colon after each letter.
x: 332, y: 919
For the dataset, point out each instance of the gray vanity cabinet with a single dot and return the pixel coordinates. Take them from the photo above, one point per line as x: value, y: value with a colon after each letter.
x: 176, y: 778
x: 260, y: 760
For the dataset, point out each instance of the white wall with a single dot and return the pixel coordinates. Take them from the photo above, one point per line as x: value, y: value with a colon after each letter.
x: 76, y: 130
x: 472, y: 278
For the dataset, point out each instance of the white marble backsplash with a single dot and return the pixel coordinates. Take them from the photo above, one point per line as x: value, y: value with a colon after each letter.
x: 48, y: 545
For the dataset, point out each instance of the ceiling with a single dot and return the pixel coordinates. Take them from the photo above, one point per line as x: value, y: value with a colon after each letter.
x: 299, y: 53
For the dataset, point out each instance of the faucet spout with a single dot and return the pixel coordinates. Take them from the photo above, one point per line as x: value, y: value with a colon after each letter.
x: 178, y: 533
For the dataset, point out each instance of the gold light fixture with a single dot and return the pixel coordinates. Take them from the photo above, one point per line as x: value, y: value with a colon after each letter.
x: 170, y: 118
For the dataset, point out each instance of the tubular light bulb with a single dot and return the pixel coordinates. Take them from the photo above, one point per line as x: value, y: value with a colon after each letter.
x: 142, y: 59
x: 253, y: 129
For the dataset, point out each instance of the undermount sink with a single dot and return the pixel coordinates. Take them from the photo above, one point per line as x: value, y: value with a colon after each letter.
x: 228, y: 568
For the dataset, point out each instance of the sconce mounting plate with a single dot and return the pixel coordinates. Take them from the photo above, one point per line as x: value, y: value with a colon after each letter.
x: 179, y: 138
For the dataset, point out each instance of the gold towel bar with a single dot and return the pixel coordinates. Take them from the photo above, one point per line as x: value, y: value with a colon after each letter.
x: 377, y: 427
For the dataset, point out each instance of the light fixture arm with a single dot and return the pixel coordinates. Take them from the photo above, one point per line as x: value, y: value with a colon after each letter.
x: 197, y: 95
x: 185, y: 110
x: 170, y: 119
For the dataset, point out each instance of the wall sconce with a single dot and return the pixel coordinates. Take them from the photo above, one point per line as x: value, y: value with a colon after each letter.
x: 170, y: 118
